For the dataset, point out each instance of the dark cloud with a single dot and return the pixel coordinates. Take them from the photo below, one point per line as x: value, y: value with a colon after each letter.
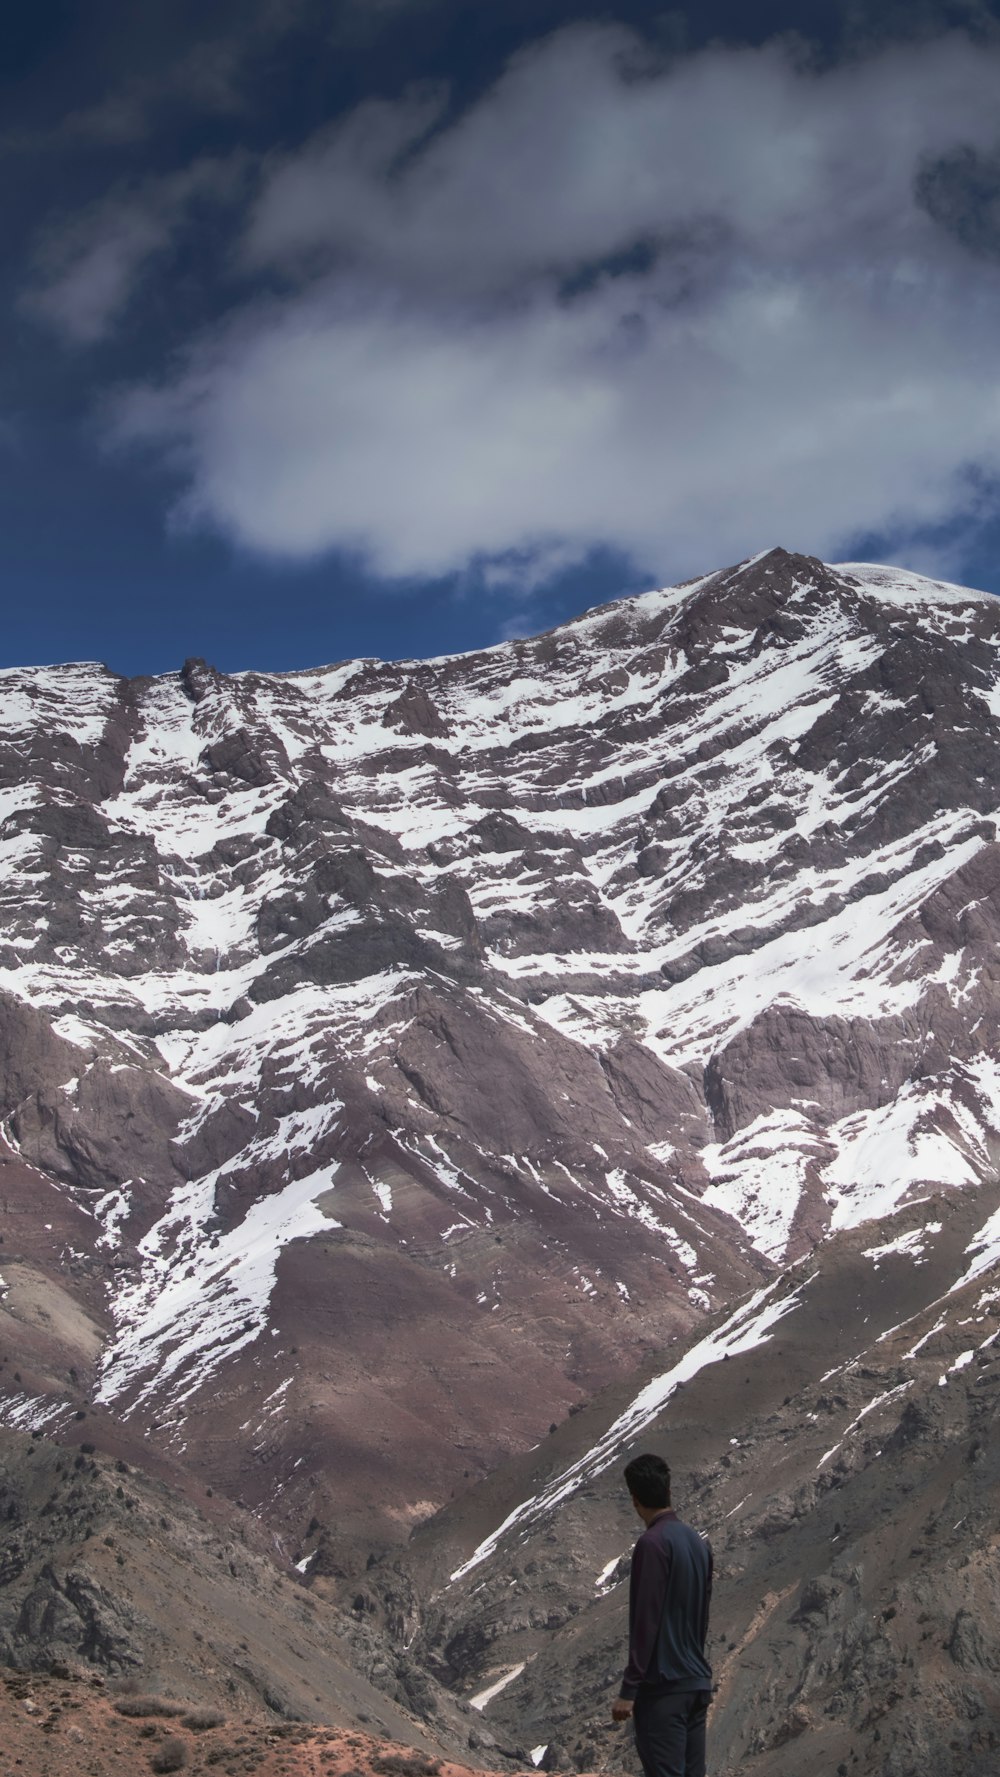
x: 961, y: 191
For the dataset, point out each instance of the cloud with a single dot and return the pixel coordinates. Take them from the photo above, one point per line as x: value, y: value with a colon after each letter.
x: 677, y: 309
x: 92, y: 267
x: 87, y: 267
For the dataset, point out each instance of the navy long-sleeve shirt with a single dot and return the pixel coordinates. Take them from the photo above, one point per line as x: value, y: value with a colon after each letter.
x: 670, y: 1591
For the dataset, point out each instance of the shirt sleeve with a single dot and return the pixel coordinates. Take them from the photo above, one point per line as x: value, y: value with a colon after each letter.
x: 648, y: 1592
x: 708, y: 1594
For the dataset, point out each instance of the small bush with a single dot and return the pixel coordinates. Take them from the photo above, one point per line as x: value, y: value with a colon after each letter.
x: 148, y: 1706
x: 200, y: 1719
x: 171, y: 1756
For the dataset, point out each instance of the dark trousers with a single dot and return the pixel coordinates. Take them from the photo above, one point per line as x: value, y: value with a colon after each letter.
x: 670, y: 1732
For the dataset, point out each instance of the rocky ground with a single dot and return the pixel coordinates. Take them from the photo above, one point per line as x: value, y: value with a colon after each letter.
x: 71, y: 1722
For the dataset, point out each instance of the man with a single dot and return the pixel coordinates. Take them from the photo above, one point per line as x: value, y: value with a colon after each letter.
x: 667, y: 1685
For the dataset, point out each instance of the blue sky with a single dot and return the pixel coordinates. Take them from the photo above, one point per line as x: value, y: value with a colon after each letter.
x: 400, y: 326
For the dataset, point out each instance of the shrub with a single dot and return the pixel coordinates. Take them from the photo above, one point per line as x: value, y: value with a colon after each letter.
x: 200, y: 1719
x: 171, y: 1756
x: 148, y: 1706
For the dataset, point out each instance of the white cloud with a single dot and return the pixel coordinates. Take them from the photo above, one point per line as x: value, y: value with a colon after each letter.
x: 679, y: 310
x: 587, y: 145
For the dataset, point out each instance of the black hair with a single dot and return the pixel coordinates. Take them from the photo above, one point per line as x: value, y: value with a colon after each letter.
x: 647, y: 1478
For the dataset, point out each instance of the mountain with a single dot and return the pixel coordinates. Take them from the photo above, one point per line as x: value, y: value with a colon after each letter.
x: 403, y: 1065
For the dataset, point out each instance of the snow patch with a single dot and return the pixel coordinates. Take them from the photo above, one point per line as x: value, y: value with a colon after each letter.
x: 759, y: 1175
x: 198, y: 1303
x: 481, y: 1698
x: 912, y: 1245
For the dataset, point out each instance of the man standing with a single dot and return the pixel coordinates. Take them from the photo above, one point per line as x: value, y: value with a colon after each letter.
x: 667, y: 1685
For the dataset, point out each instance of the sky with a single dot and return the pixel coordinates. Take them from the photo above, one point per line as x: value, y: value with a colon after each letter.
x: 397, y: 327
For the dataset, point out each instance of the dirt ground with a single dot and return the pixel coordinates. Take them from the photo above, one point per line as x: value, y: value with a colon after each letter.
x: 71, y: 1726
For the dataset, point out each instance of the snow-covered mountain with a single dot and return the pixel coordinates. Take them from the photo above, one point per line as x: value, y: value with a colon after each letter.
x: 393, y: 1054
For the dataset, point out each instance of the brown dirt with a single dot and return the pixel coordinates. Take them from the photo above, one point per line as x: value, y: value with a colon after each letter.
x: 69, y: 1726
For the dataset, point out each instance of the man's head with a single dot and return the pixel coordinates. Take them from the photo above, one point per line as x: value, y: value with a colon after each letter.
x: 647, y: 1478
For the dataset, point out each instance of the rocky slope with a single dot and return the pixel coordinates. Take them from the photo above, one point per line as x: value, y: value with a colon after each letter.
x: 70, y: 1721
x: 835, y: 1438
x: 106, y: 1569
x: 397, y: 1056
